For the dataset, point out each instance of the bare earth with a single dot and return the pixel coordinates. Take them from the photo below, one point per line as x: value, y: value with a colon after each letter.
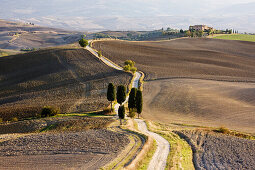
x: 201, y: 102
x: 77, y: 150
x: 189, y: 58
x: 218, y: 151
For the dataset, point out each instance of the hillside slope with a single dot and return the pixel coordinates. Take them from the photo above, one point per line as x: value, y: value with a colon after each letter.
x: 193, y: 58
x: 72, y: 79
x: 194, y: 81
x: 16, y: 36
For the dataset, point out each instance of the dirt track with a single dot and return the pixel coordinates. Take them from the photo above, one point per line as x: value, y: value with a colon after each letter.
x: 159, y: 158
x: 217, y: 151
x: 92, y: 148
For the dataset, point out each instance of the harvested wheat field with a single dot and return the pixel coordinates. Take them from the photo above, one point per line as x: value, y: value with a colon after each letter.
x: 69, y: 78
x: 218, y: 151
x: 193, y: 80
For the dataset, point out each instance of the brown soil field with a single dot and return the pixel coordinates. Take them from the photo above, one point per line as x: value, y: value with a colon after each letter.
x: 55, y: 124
x: 218, y: 151
x: 90, y: 149
x: 188, y: 57
x: 70, y: 78
x: 193, y: 80
x: 201, y: 102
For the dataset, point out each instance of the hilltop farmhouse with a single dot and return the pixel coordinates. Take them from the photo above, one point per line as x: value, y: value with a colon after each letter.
x: 200, y: 28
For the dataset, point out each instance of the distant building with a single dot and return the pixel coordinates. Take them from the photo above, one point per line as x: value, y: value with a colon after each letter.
x: 200, y: 27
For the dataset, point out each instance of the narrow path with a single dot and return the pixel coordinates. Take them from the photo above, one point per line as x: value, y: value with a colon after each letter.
x: 137, y: 75
x: 159, y: 158
x: 103, y: 59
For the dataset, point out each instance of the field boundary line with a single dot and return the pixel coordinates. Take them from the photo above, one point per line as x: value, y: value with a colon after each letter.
x: 209, y: 79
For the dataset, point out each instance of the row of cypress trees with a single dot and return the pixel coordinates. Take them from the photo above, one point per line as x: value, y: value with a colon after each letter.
x: 135, y: 101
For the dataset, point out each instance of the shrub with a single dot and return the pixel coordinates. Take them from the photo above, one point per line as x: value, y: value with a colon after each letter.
x: 133, y: 69
x: 131, y: 114
x: 107, y: 111
x: 83, y: 42
x: 48, y: 111
x: 99, y: 53
x: 126, y: 68
x: 129, y: 62
x: 223, y: 130
x: 14, y: 119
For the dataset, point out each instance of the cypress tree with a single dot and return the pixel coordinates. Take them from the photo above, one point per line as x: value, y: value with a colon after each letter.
x: 139, y: 102
x: 131, y: 100
x: 111, y: 93
x: 121, y: 113
x: 121, y: 94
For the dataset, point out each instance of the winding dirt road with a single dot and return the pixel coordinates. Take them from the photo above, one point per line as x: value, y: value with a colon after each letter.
x: 137, y: 75
x: 159, y: 158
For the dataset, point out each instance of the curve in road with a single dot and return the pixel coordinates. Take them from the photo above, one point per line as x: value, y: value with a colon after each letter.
x: 159, y: 158
x: 137, y: 75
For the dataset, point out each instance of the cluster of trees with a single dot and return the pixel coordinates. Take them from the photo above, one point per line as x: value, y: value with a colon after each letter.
x: 130, y: 66
x: 83, y: 42
x: 135, y: 101
x: 190, y: 33
x: 101, y: 35
x: 194, y: 33
x: 170, y: 31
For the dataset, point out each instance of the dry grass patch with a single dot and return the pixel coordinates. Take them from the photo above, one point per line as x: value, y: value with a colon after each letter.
x: 180, y: 155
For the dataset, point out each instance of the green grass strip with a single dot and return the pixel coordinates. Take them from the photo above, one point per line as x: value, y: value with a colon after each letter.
x: 240, y: 37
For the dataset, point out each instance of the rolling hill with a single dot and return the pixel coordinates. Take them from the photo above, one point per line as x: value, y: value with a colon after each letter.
x: 70, y: 78
x: 205, y: 82
x: 16, y: 36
